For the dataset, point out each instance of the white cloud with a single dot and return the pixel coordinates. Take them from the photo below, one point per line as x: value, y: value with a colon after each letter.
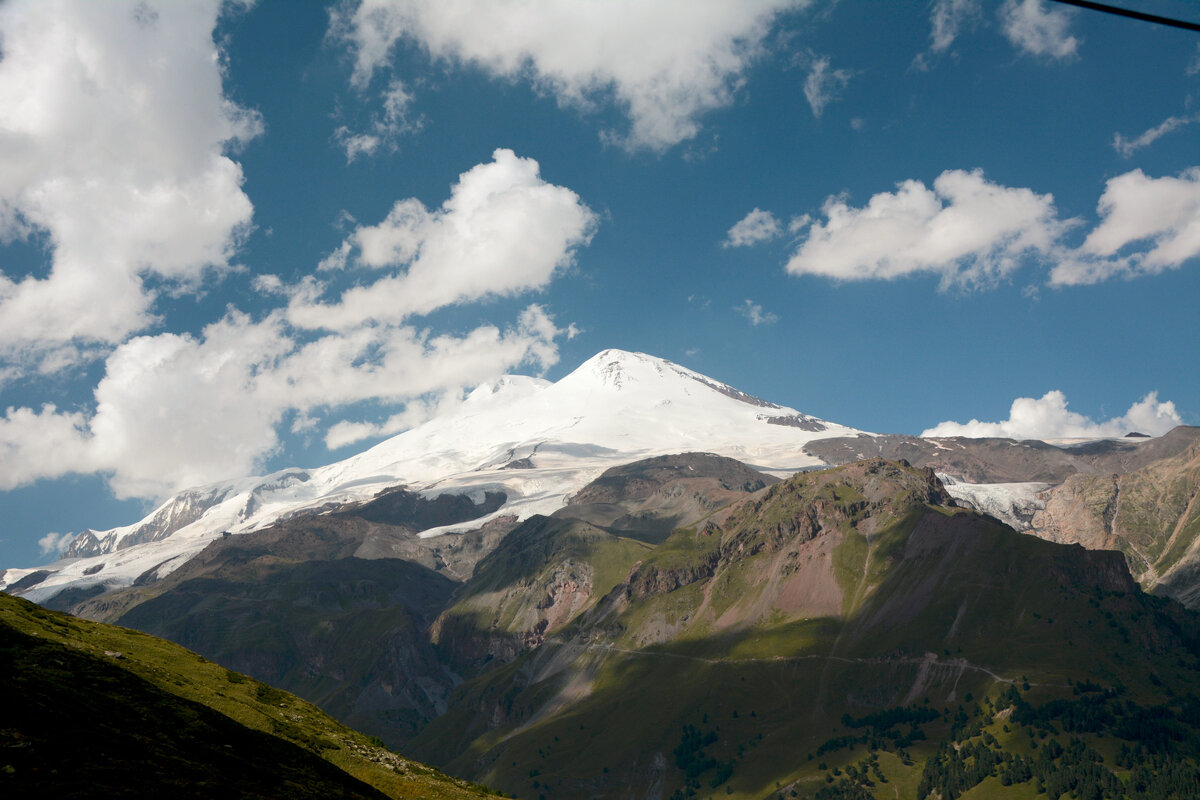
x: 41, y: 444
x: 664, y: 63
x: 757, y: 226
x: 1037, y: 30
x: 1048, y: 418
x: 415, y: 412
x: 1161, y: 214
x: 974, y: 233
x: 356, y: 144
x: 175, y: 411
x: 115, y: 129
x: 503, y: 231
x: 55, y: 542
x: 1128, y: 147
x: 966, y: 229
x: 947, y: 18
x: 799, y: 223
x: 385, y: 128
x: 823, y: 84
x: 754, y: 312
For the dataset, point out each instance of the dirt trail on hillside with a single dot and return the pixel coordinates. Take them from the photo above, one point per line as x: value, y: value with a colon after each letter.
x: 928, y: 660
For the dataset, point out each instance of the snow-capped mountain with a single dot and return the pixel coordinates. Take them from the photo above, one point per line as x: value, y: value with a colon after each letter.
x: 536, y: 441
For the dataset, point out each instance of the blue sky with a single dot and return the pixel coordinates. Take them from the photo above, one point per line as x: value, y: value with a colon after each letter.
x: 237, y: 237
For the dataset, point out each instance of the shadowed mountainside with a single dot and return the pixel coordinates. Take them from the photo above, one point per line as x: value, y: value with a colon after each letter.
x: 97, y: 711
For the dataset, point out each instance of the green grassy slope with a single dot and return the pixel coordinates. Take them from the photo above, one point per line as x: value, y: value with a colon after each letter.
x: 94, y: 710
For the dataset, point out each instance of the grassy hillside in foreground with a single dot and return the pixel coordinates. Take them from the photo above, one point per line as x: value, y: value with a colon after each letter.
x: 94, y: 710
x: 846, y: 634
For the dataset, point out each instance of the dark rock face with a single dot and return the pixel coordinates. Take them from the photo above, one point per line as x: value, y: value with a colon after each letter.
x: 29, y: 581
x: 639, y: 480
x: 653, y: 580
x: 182, y: 511
x: 417, y: 513
x: 519, y: 463
x: 85, y: 544
x: 801, y: 421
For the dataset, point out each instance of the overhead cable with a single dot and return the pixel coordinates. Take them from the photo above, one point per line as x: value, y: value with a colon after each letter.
x: 1124, y: 12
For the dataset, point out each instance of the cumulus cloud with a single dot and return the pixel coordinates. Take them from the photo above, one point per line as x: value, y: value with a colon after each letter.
x: 42, y: 444
x: 823, y: 84
x: 968, y: 230
x: 1049, y: 418
x: 1158, y: 217
x: 757, y: 226
x: 754, y: 312
x: 974, y: 233
x: 174, y: 411
x: 1127, y: 147
x: 665, y: 63
x: 1038, y: 31
x: 116, y: 132
x: 503, y: 231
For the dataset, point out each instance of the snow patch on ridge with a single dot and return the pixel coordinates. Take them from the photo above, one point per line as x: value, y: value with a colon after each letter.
x: 1014, y: 504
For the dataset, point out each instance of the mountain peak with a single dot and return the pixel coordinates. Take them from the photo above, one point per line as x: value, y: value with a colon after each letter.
x: 620, y: 370
x: 617, y: 369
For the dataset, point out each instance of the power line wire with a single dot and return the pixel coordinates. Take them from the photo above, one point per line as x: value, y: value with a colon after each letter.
x: 1124, y: 12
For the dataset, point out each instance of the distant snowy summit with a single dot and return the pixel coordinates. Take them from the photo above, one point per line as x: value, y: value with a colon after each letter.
x: 535, y: 441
